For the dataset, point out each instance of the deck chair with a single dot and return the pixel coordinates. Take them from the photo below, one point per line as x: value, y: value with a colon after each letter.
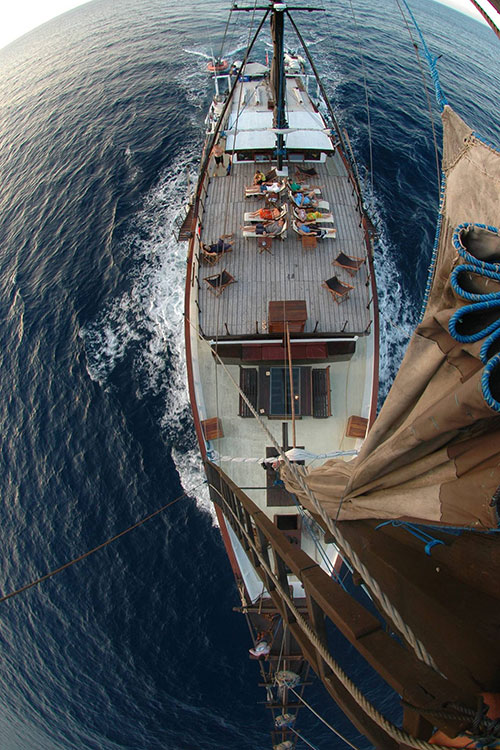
x: 305, y: 172
x: 348, y: 263
x: 281, y: 234
x: 210, y: 258
x: 248, y: 218
x: 219, y: 281
x: 320, y: 205
x: 330, y: 233
x: 338, y: 290
x: 250, y: 191
x: 325, y: 219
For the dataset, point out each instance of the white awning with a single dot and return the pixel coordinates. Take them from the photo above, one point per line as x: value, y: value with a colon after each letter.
x: 254, y: 132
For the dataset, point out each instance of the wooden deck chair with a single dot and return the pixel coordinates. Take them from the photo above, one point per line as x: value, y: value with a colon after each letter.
x: 337, y: 289
x: 281, y: 234
x: 307, y: 172
x: 326, y: 232
x: 348, y: 263
x: 210, y: 258
x: 324, y: 219
x: 219, y: 281
x: 248, y: 218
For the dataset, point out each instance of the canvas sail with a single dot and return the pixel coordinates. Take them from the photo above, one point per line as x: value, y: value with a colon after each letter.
x: 433, y: 453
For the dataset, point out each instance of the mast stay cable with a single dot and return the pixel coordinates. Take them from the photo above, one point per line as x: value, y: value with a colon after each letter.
x: 155, y: 513
x: 385, y: 604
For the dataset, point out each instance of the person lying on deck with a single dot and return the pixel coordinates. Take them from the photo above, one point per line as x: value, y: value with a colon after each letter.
x: 270, y: 227
x: 265, y: 213
x: 308, y: 216
x: 295, y: 187
x: 274, y: 187
x: 220, y: 246
x: 310, y: 230
x: 304, y: 200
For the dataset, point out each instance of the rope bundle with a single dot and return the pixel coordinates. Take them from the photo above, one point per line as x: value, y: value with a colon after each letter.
x: 481, y: 319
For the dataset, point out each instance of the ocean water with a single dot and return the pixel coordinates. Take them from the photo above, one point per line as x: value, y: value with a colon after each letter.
x: 101, y: 126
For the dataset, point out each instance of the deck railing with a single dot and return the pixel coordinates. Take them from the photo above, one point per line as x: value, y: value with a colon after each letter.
x: 273, y: 557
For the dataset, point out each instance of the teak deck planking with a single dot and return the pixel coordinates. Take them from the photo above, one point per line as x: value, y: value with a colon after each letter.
x: 289, y: 272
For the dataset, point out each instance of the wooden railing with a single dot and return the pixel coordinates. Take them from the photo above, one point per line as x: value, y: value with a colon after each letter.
x: 268, y: 549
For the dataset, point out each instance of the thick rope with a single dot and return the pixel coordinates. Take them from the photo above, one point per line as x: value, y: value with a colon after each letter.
x: 99, y: 546
x: 397, y: 734
x: 431, y: 61
x: 335, y: 731
x: 426, y: 92
x: 347, y: 549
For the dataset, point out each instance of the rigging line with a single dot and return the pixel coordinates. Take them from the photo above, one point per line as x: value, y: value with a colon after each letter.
x: 367, y: 100
x: 239, y: 108
x: 426, y: 91
x: 282, y: 645
x: 431, y: 61
x: 345, y: 546
x: 226, y: 213
x: 370, y: 710
x: 100, y: 546
x: 225, y: 33
x: 335, y: 731
x: 309, y: 744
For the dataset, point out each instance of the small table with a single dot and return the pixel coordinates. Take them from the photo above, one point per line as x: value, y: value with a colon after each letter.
x: 264, y: 244
x: 309, y: 243
x: 293, y: 312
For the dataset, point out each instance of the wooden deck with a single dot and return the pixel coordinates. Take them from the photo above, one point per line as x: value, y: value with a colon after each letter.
x: 288, y: 271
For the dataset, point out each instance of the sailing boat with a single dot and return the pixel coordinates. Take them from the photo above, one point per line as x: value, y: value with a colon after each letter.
x: 281, y: 331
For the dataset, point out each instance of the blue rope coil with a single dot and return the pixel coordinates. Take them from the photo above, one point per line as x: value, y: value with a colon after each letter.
x: 491, y: 366
x: 473, y: 296
x: 482, y: 307
x: 486, y: 353
x: 463, y: 317
x: 459, y: 246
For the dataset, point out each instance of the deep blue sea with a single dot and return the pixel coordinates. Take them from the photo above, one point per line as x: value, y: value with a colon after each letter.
x: 101, y: 119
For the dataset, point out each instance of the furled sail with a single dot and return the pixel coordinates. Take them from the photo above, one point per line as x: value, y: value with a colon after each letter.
x: 433, y: 453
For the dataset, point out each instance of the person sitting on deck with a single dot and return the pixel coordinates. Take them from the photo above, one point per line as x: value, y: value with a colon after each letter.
x: 305, y: 200
x: 310, y: 230
x: 265, y: 213
x: 259, y: 178
x: 220, y: 246
x: 269, y: 228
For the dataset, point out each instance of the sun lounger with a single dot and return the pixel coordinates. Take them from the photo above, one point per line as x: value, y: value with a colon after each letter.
x: 281, y: 234
x: 248, y: 218
x: 329, y: 233
x: 251, y: 192
x: 326, y: 219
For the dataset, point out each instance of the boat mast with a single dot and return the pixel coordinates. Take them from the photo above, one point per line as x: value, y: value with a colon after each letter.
x: 278, y: 82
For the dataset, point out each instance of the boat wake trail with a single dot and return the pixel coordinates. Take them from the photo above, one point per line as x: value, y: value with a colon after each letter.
x: 397, y: 319
x: 143, y: 326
